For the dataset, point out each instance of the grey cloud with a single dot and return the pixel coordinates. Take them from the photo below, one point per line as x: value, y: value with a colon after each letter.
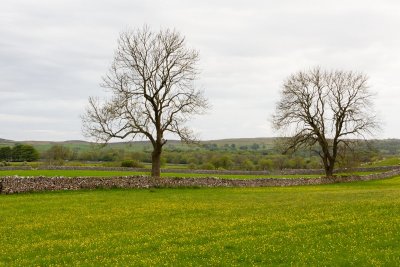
x: 53, y: 54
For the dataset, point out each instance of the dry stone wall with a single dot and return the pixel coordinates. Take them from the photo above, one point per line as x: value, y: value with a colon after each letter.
x: 16, y: 168
x: 11, y: 185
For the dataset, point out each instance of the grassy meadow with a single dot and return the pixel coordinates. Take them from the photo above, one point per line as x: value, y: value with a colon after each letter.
x: 389, y: 161
x: 340, y: 225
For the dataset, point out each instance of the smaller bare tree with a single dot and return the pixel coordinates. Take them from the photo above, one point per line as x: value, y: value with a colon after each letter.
x: 152, y: 84
x: 325, y: 109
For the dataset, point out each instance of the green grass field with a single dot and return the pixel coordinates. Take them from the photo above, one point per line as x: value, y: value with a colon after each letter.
x: 341, y: 225
x: 389, y: 161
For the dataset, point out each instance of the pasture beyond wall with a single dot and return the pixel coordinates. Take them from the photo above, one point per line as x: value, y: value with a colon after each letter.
x: 15, y: 184
x: 208, y: 172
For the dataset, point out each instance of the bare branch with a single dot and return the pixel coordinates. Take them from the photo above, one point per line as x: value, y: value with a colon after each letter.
x: 152, y: 84
x: 325, y: 108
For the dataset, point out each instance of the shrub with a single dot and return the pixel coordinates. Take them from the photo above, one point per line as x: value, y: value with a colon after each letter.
x: 192, y: 166
x: 207, y: 166
x: 34, y: 165
x: 131, y: 164
x: 248, y: 165
x: 265, y: 164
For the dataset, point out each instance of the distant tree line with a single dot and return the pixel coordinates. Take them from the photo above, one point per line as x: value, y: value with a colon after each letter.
x: 19, y: 153
x: 208, y: 156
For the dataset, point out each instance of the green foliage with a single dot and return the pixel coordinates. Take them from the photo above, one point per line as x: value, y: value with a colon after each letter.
x: 223, y: 162
x: 4, y: 164
x: 6, y: 153
x: 265, y: 164
x: 224, y: 154
x: 57, y: 154
x: 131, y: 163
x: 22, y: 152
x: 19, y: 153
x: 255, y: 146
x: 296, y: 163
x: 248, y: 165
x: 207, y: 166
x: 163, y: 161
x: 102, y: 154
x: 353, y: 224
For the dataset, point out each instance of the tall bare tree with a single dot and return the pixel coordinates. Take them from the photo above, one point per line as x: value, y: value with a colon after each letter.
x: 325, y: 109
x: 152, y: 81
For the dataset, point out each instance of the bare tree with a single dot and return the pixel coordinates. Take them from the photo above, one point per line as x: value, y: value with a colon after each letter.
x: 152, y: 81
x: 325, y: 109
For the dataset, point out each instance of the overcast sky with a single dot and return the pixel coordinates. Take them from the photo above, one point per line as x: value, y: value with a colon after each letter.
x: 53, y: 54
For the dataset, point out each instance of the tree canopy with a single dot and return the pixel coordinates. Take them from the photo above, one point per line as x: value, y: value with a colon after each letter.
x: 325, y: 110
x: 19, y: 153
x: 152, y: 82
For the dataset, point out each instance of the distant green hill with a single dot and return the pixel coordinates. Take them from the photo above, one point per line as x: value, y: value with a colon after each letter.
x: 244, y: 141
x: 4, y: 141
x: 80, y: 145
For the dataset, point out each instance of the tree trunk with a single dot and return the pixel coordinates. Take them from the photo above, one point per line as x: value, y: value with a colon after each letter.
x: 329, y: 171
x: 329, y: 168
x: 156, y: 162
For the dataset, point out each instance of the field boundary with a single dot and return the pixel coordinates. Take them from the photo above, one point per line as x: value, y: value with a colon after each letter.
x: 15, y: 184
x: 210, y: 172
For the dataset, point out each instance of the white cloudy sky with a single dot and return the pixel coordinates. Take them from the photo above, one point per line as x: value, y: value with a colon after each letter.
x: 54, y: 52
